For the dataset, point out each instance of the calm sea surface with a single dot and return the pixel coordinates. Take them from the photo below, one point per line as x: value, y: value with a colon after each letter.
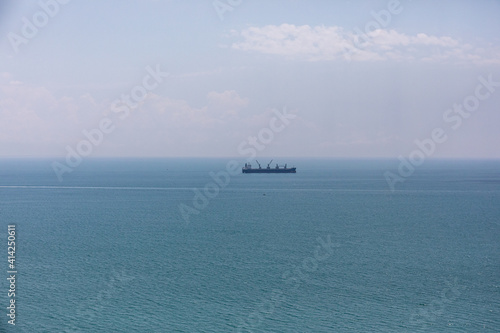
x: 329, y: 249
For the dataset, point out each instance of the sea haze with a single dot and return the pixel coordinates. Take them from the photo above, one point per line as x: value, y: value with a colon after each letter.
x: 328, y: 249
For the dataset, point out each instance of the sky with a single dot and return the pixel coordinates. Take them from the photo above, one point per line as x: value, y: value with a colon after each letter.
x: 205, y: 78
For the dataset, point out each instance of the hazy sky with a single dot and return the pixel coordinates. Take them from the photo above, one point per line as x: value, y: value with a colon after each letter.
x: 364, y: 78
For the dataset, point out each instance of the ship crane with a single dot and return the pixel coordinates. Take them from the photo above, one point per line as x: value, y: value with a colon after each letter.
x: 277, y: 169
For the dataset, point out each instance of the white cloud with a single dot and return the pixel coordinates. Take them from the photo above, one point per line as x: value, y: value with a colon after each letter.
x: 227, y: 103
x: 290, y: 40
x: 34, y: 116
x: 321, y: 43
x: 35, y: 121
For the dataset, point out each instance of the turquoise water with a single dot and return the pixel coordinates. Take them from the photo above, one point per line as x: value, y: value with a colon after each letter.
x: 329, y: 249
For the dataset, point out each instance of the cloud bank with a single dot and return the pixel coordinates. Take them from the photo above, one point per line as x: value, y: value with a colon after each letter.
x: 36, y: 121
x: 323, y: 43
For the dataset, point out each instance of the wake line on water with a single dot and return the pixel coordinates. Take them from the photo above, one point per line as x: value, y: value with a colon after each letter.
x: 94, y: 187
x: 237, y: 189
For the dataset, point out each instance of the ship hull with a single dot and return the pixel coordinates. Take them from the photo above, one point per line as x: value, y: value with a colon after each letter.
x: 287, y: 170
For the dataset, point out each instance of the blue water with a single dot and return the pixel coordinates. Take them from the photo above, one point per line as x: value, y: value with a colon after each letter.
x: 107, y: 249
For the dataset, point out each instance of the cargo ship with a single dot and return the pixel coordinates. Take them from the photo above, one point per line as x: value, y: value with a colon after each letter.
x: 278, y: 169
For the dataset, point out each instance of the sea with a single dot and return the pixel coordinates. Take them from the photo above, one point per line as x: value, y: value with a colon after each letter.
x: 190, y: 245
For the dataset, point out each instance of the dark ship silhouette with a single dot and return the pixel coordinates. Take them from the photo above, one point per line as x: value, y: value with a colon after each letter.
x: 283, y: 169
